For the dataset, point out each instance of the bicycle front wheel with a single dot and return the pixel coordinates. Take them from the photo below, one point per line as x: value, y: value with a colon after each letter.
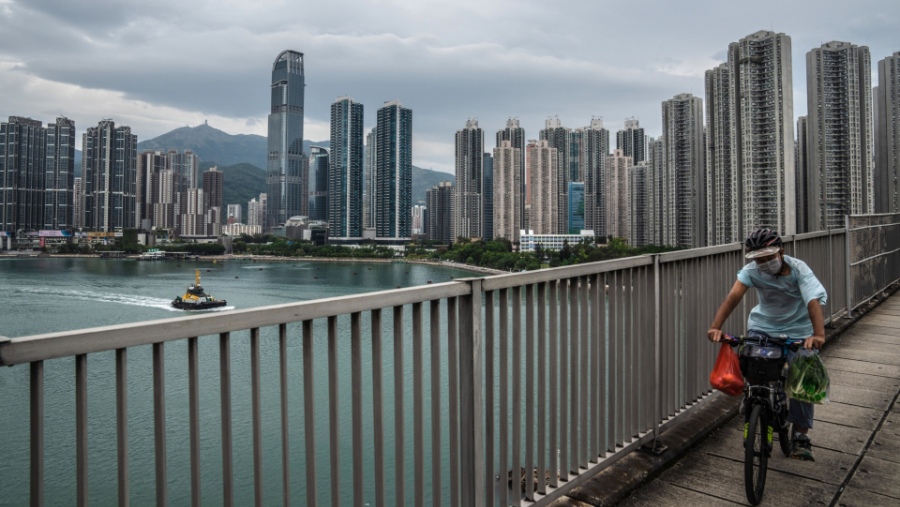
x: 756, y: 454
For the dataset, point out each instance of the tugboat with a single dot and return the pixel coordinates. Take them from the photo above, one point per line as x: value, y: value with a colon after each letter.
x: 196, y: 299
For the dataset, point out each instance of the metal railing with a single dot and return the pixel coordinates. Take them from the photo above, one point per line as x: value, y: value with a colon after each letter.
x: 516, y: 387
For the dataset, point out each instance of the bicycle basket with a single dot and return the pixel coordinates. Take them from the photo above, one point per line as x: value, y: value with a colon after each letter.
x: 761, y: 363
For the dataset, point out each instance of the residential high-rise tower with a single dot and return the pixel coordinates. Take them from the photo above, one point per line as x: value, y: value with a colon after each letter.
x: 345, y: 170
x: 468, y: 221
x: 684, y: 204
x: 60, y: 175
x: 393, y: 199
x: 109, y: 169
x: 285, y: 184
x: 887, y: 136
x: 23, y: 145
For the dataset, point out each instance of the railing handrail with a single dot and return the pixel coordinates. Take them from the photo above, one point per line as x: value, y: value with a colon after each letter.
x: 105, y: 338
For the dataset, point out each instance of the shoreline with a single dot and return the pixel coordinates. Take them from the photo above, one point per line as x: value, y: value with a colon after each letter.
x: 275, y: 258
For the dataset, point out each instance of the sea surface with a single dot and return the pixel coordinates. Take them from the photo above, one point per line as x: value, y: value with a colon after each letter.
x: 42, y: 295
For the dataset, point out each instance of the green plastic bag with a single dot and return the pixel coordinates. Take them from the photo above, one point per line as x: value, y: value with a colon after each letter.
x: 807, y: 379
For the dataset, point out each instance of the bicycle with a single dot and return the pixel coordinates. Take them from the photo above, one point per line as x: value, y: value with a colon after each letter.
x: 762, y: 359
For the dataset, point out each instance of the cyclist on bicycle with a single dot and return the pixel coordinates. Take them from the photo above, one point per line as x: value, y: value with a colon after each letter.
x: 790, y: 303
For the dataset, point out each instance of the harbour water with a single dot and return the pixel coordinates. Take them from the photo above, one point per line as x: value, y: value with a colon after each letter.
x: 41, y: 295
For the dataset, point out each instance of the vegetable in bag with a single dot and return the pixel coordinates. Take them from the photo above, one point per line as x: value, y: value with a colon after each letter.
x: 807, y: 378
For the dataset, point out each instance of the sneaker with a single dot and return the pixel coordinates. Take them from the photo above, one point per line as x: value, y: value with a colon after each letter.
x: 801, y: 447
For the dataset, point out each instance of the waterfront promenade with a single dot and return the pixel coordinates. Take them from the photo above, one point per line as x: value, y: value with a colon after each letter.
x: 856, y: 439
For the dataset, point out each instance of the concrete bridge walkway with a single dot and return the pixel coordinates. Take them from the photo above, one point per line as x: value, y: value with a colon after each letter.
x: 856, y: 439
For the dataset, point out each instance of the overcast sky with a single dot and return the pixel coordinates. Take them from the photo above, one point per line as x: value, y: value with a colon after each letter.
x: 157, y: 65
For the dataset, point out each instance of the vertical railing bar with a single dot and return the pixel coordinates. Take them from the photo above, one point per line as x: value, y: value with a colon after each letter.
x: 334, y: 413
x: 453, y: 371
x: 194, y: 404
x: 37, y: 433
x: 122, y: 424
x: 564, y: 363
x: 399, y: 456
x: 309, y: 415
x: 529, y: 392
x: 285, y: 420
x: 159, y: 422
x: 435, y: 328
x: 81, y: 451
x: 553, y: 413
x: 584, y: 451
x: 604, y: 380
x: 848, y: 262
x: 256, y: 404
x: 356, y: 405
x: 418, y: 406
x: 542, y: 414
x: 630, y: 395
x: 503, y: 465
x: 225, y: 396
x: 615, y: 361
x: 596, y: 343
x: 470, y: 396
x: 489, y: 375
x: 517, y: 394
x: 573, y: 372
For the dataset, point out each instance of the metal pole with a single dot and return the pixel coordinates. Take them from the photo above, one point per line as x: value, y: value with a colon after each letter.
x: 849, y: 262
x: 471, y: 398
x: 657, y: 328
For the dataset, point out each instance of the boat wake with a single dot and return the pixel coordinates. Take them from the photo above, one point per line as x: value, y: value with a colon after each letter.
x: 106, y: 297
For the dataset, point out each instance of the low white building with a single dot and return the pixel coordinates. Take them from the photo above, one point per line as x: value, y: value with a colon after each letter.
x: 528, y: 240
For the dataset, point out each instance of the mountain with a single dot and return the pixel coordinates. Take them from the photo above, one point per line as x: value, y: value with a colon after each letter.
x: 212, y: 145
x: 424, y: 179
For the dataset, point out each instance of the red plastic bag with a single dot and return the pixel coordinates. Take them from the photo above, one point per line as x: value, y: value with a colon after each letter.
x: 726, y: 374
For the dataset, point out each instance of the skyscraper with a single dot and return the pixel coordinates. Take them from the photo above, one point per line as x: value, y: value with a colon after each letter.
x: 594, y: 153
x: 560, y: 138
x: 801, y: 149
x: 841, y: 158
x: 543, y: 166
x: 631, y: 141
x: 60, y: 178
x: 109, y: 169
x: 285, y: 185
x: 618, y: 191
x: 576, y: 207
x: 887, y: 136
x: 213, y: 187
x: 640, y: 204
x: 487, y: 198
x: 318, y: 183
x: 655, y: 190
x: 23, y: 145
x: 516, y: 137
x: 468, y: 220
x: 684, y: 216
x: 750, y: 99
x: 393, y: 199
x: 438, y: 202
x: 345, y: 170
x: 508, y: 202
x: 369, y: 173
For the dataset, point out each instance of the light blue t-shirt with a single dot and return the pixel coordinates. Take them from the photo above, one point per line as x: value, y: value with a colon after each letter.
x: 783, y: 300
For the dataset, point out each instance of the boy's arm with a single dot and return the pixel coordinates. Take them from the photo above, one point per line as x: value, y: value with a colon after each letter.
x: 818, y: 322
x: 731, y: 301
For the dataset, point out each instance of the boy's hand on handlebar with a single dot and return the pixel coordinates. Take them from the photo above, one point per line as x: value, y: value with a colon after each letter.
x: 714, y: 335
x: 814, y: 342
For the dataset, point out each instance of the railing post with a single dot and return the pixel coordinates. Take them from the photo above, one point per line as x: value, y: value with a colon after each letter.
x: 849, y: 262
x: 657, y: 328
x: 471, y: 411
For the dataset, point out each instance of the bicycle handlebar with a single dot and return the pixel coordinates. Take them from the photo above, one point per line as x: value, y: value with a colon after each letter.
x: 793, y: 344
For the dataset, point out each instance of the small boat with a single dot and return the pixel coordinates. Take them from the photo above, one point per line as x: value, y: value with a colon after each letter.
x: 153, y: 254
x: 196, y: 299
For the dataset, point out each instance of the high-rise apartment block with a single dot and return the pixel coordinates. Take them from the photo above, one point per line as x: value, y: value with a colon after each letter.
x: 801, y: 178
x: 750, y: 138
x: 213, y: 187
x: 516, y: 137
x: 576, y: 207
x: 23, y: 153
x: 887, y: 136
x: 393, y: 199
x: 543, y: 166
x: 684, y: 166
x: 234, y: 214
x: 60, y: 175
x: 487, y: 197
x: 841, y: 148
x: 594, y: 154
x: 560, y: 139
x: 468, y: 221
x: 109, y: 169
x: 345, y: 170
x: 286, y: 166
x: 508, y: 202
x: 631, y: 141
x: 318, y: 183
x: 370, y: 171
x: 640, y: 205
x: 618, y: 192
x: 439, y: 204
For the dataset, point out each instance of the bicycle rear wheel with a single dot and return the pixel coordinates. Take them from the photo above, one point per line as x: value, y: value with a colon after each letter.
x: 756, y: 456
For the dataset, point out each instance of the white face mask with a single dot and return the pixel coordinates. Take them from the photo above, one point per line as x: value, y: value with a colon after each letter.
x: 772, y: 267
